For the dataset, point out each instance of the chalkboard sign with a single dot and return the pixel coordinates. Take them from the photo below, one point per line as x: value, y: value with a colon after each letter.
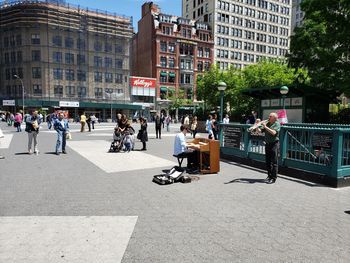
x: 322, y: 140
x: 232, y: 137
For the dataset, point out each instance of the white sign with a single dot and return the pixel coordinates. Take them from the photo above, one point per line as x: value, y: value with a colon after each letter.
x: 265, y: 103
x: 275, y: 102
x: 297, y: 101
x: 73, y: 104
x: 8, y: 103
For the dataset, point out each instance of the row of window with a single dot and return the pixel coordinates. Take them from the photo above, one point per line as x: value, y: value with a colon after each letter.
x: 185, y: 64
x: 225, y: 42
x: 220, y: 53
x: 186, y: 32
x: 225, y: 30
x: 57, y: 41
x: 235, y: 20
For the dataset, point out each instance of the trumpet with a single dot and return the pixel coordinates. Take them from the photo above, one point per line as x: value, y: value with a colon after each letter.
x: 257, y: 125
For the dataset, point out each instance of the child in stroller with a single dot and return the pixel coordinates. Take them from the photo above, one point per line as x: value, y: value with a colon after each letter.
x: 123, y: 140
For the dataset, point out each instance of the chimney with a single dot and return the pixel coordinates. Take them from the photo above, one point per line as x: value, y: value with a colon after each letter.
x: 149, y: 7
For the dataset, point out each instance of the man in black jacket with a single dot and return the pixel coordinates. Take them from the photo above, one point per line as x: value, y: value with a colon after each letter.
x: 158, y: 123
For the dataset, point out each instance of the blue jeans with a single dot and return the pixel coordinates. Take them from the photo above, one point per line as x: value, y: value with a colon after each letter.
x: 61, y: 141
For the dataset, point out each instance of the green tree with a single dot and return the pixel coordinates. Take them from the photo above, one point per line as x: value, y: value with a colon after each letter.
x: 322, y: 44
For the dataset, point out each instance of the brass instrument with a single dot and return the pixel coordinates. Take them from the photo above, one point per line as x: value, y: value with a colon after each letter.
x: 257, y: 125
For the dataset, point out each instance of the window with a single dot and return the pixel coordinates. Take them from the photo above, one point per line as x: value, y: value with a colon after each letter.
x: 70, y: 91
x: 81, y: 43
x: 6, y: 42
x: 186, y: 79
x: 69, y: 42
x: 81, y: 91
x: 171, y: 47
x: 57, y: 41
x: 36, y: 56
x: 69, y: 74
x: 108, y: 62
x: 7, y: 58
x: 80, y: 59
x: 36, y: 73
x: 97, y: 61
x: 7, y: 74
x: 163, y: 46
x: 108, y: 47
x: 108, y: 77
x: 98, y: 46
x: 163, y: 77
x: 20, y: 72
x: 119, y: 63
x: 58, y: 90
x: 57, y: 57
x: 118, y: 49
x: 69, y: 58
x: 119, y: 78
x: 37, y: 91
x: 58, y: 73
x: 207, y: 53
x: 171, y: 77
x: 13, y: 57
x: 81, y: 75
x: 171, y: 63
x: 200, y: 66
x: 19, y: 40
x: 35, y: 39
x: 163, y: 62
x: 200, y: 52
x: 19, y: 56
x: 98, y: 76
x: 98, y: 92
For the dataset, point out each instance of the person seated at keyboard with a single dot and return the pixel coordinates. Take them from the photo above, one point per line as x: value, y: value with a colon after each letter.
x: 185, y: 150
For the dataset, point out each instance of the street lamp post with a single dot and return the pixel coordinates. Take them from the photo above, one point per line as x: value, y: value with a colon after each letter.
x: 284, y: 91
x: 17, y: 77
x: 222, y: 87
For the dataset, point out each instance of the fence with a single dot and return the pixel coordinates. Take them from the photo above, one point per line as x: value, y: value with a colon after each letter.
x: 316, y: 148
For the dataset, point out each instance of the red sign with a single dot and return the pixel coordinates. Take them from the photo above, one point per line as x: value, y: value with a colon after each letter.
x: 142, y: 82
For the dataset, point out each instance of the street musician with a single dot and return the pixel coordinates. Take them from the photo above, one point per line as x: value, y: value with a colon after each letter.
x: 186, y: 150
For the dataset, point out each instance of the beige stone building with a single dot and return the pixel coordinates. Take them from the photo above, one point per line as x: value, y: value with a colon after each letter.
x: 65, y: 53
x: 245, y: 31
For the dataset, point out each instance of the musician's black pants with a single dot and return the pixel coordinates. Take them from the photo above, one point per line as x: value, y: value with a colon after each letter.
x: 192, y: 159
x: 271, y: 154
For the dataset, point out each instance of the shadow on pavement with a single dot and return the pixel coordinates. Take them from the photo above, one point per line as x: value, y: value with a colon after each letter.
x: 247, y: 181
x: 347, y: 212
x: 53, y: 153
x: 22, y: 153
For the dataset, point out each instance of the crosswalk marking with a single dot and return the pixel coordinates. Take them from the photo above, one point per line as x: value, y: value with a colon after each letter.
x: 96, y: 151
x: 73, y: 239
x: 6, y: 141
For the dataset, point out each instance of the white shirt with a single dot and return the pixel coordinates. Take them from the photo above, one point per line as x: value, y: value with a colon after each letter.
x: 226, y: 120
x: 179, y: 143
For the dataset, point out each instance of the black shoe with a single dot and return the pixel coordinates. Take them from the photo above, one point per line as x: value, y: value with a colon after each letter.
x: 271, y: 181
x: 143, y: 149
x: 64, y: 152
x: 57, y: 153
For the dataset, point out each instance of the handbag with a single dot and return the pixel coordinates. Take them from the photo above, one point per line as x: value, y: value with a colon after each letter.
x: 139, y: 135
x: 68, y: 136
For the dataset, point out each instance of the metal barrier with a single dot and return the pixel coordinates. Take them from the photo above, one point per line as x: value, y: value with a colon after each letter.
x: 317, y: 148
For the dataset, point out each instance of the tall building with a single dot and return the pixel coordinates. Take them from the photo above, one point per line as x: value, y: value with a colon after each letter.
x: 245, y: 31
x: 173, y: 50
x: 298, y: 15
x: 66, y: 56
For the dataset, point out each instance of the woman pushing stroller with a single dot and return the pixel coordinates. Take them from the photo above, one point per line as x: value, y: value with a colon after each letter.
x: 123, y: 135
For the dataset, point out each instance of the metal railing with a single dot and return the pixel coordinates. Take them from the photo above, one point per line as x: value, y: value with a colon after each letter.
x: 320, y: 148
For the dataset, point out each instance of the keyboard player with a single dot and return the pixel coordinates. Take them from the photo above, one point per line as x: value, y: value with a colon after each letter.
x: 186, y: 150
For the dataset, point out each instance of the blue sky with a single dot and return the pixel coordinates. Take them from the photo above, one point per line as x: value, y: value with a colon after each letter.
x: 130, y: 7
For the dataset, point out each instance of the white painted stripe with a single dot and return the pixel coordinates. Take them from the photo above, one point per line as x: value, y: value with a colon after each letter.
x: 43, y: 239
x: 6, y: 141
x: 96, y: 151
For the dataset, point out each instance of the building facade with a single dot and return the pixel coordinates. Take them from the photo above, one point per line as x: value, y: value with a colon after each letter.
x: 245, y: 31
x: 174, y: 51
x: 65, y: 53
x: 298, y: 14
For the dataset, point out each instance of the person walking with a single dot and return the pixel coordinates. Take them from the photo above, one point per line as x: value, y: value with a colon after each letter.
x: 209, y: 127
x: 32, y: 128
x: 215, y: 127
x: 49, y: 121
x: 93, y: 120
x: 82, y: 122
x: 226, y: 120
x: 18, y: 121
x: 62, y: 128
x: 143, y: 135
x: 168, y: 121
x: 271, y: 129
x: 158, y: 124
x: 187, y: 121
x: 88, y: 122
x: 194, y: 125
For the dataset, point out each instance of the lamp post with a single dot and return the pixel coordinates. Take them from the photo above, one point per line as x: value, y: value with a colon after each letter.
x: 284, y: 91
x: 17, y: 77
x: 222, y: 87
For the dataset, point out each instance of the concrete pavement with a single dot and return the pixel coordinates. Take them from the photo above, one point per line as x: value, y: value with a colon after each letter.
x: 229, y: 217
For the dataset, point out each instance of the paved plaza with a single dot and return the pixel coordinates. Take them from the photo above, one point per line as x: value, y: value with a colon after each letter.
x: 95, y: 206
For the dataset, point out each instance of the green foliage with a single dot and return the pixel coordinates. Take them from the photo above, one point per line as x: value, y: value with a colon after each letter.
x: 178, y: 100
x: 267, y: 73
x: 322, y: 44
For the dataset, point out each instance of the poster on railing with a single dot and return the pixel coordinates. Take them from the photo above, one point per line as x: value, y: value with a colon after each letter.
x: 282, y: 116
x: 232, y: 137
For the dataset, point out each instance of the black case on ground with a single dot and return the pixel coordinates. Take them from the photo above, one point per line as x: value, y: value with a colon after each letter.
x: 174, y: 175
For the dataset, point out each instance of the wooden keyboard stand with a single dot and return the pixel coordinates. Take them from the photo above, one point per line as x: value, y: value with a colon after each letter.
x: 209, y: 155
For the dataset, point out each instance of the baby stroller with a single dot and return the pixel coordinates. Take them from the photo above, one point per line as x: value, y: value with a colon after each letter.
x: 123, y: 141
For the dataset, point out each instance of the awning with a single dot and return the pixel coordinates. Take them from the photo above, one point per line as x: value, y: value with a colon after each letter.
x: 172, y: 74
x: 164, y: 89
x: 163, y: 74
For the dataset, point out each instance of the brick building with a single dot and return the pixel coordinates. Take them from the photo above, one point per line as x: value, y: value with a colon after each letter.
x: 174, y: 51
